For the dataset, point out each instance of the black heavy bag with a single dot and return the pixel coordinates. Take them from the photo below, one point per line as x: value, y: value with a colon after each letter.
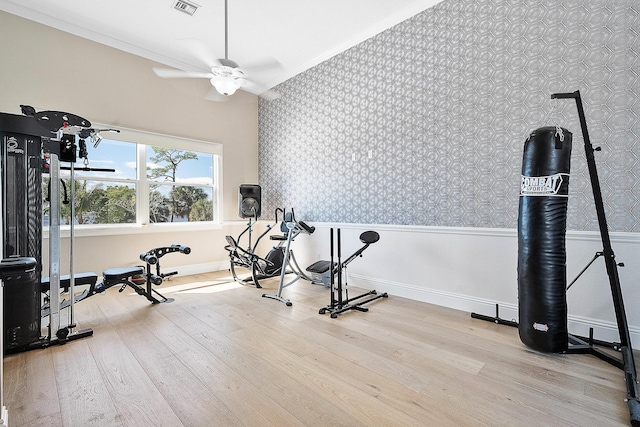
x: 542, y: 221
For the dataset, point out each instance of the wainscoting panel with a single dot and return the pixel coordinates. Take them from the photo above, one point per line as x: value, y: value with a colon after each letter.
x: 474, y: 269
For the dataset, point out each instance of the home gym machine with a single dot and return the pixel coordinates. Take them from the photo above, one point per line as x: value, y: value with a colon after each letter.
x: 291, y: 229
x: 541, y: 335
x: 24, y: 139
x: 337, y: 277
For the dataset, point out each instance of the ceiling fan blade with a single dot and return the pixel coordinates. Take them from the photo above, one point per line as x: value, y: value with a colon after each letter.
x: 200, y: 51
x: 170, y: 73
x: 250, y: 86
x: 260, y: 90
x: 266, y: 64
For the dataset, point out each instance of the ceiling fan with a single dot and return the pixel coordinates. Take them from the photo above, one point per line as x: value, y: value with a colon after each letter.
x: 225, y: 75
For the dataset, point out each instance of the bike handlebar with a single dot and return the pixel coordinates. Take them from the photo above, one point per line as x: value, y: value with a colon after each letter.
x: 307, y: 228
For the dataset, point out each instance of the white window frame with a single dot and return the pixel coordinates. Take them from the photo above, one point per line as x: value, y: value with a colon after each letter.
x: 145, y: 140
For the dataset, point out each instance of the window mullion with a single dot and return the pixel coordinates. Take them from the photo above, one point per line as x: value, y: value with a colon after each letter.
x: 142, y: 192
x: 217, y: 188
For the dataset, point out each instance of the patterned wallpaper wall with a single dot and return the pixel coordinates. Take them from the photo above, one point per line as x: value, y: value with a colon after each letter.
x: 424, y: 124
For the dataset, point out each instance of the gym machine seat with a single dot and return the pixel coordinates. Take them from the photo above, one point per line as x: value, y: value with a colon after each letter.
x: 65, y: 281
x: 113, y: 276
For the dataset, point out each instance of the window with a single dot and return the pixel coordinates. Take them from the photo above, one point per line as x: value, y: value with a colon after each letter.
x: 136, y: 177
x: 180, y: 185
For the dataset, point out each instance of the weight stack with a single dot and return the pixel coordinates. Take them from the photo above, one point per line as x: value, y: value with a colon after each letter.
x: 542, y: 220
x: 21, y: 309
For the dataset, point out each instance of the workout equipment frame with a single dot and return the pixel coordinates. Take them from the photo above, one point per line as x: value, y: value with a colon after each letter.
x: 41, y: 127
x: 54, y: 133
x: 338, y: 304
x: 293, y: 229
x: 260, y: 268
x: 150, y: 258
x: 627, y: 364
x: 581, y: 345
x: 65, y: 126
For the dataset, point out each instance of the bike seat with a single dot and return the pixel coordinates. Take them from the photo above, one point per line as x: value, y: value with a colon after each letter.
x: 232, y: 242
x: 369, y: 237
x: 320, y: 267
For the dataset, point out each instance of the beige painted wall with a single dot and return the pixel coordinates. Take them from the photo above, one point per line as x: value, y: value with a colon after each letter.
x: 53, y: 70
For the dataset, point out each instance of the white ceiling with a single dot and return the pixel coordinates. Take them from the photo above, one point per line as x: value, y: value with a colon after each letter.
x: 297, y: 33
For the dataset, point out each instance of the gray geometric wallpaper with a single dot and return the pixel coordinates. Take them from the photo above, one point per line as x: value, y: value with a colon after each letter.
x: 424, y: 124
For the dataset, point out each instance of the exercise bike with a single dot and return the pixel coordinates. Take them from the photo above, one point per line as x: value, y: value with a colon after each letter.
x: 291, y: 229
x: 246, y: 257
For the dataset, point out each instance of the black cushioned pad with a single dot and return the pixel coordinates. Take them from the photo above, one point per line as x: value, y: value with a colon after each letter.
x: 319, y: 267
x: 121, y: 273
x: 65, y: 281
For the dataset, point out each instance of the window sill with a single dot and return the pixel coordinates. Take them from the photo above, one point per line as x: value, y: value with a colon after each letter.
x: 129, y: 229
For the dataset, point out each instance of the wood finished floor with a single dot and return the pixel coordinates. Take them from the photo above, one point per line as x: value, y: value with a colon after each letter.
x: 220, y: 355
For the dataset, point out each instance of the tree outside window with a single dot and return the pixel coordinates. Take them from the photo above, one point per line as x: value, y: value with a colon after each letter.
x: 180, y: 182
x: 178, y: 193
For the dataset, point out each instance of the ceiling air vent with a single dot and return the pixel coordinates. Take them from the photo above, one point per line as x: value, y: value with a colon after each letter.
x: 185, y: 6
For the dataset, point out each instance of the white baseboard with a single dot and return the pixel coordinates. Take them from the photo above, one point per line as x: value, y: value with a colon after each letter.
x: 602, y: 330
x: 191, y: 269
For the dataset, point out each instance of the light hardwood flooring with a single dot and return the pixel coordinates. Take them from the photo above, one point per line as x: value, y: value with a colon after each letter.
x: 221, y: 355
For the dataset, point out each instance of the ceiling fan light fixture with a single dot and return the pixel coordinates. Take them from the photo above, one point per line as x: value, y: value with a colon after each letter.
x: 226, y: 85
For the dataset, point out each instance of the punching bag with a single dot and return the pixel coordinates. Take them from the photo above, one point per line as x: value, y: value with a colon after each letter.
x: 542, y: 220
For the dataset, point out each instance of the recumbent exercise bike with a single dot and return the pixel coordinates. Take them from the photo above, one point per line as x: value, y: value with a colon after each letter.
x: 279, y: 257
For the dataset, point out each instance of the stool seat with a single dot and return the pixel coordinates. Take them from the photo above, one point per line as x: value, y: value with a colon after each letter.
x: 114, y: 274
x: 320, y: 267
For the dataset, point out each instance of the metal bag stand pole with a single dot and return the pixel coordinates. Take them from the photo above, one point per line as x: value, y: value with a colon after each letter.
x: 628, y: 363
